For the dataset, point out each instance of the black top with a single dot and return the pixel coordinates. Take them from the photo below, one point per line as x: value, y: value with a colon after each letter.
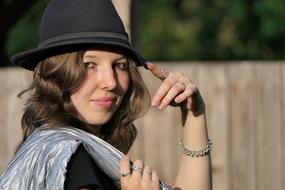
x: 82, y: 171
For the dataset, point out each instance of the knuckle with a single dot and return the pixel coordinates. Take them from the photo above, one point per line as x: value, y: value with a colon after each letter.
x: 185, y: 79
x: 170, y: 80
x: 148, y: 167
x: 136, y: 183
x: 165, y: 101
x: 180, y: 74
x: 139, y: 162
x: 178, y: 87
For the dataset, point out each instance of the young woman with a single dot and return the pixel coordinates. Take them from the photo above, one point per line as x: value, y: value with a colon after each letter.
x: 86, y: 93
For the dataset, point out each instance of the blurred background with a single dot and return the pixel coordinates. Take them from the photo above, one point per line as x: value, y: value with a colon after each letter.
x: 233, y: 50
x: 174, y: 30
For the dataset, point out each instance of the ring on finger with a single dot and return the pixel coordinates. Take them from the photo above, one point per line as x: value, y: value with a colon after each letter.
x: 165, y: 73
x: 147, y: 172
x: 138, y: 169
x: 194, y: 88
x: 125, y: 174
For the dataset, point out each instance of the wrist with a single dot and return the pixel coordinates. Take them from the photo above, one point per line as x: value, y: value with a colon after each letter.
x: 190, y: 118
x: 194, y: 132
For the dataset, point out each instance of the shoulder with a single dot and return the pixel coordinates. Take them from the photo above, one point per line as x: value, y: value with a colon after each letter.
x: 82, y: 171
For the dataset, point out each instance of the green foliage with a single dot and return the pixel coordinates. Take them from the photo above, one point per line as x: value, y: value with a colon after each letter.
x: 25, y: 34
x: 189, y: 29
x: 212, y: 29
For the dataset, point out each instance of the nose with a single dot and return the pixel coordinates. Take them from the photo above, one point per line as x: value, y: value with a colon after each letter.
x: 108, y: 79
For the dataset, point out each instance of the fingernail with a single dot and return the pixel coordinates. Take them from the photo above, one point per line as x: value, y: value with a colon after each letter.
x: 177, y: 100
x: 153, y: 103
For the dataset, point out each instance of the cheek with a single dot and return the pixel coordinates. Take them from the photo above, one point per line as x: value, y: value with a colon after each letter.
x: 124, y: 82
x: 75, y: 99
x: 80, y: 94
x: 85, y: 87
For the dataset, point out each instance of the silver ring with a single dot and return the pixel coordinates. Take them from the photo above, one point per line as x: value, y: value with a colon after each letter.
x: 125, y: 174
x: 147, y: 172
x: 165, y: 73
x: 194, y: 88
x: 138, y: 169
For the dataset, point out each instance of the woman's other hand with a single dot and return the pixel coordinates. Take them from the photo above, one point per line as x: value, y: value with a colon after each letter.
x: 176, y: 89
x: 140, y: 177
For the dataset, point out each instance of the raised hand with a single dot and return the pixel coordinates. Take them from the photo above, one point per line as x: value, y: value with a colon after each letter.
x: 176, y: 89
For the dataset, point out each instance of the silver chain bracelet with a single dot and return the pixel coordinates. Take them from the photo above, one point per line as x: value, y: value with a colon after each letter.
x: 193, y: 153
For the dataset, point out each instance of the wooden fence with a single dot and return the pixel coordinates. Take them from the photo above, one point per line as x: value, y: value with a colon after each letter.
x: 245, y: 112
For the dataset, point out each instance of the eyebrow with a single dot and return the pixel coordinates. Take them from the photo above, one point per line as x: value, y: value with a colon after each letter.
x: 94, y: 56
x: 121, y: 58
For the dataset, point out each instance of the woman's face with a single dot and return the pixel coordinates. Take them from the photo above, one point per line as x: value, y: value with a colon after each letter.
x: 101, y: 93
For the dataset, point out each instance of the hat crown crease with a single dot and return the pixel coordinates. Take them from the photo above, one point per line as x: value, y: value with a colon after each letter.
x: 71, y: 36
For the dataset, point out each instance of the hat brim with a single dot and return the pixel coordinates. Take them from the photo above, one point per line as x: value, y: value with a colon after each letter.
x: 30, y: 58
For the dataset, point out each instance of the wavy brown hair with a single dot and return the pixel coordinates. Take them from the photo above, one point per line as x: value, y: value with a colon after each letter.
x: 49, y: 102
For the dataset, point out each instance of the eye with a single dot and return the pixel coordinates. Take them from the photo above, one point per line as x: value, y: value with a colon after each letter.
x: 122, y: 65
x: 89, y: 65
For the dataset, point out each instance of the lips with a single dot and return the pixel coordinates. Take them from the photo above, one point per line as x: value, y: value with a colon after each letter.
x: 104, y: 102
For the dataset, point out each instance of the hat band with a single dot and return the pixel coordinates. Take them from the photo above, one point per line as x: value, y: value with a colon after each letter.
x: 83, y: 35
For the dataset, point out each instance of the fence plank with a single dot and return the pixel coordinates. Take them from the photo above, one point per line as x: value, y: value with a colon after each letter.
x: 212, y: 82
x: 268, y: 129
x: 241, y: 104
x: 11, y: 108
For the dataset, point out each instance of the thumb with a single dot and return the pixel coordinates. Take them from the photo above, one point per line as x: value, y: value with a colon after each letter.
x: 157, y: 71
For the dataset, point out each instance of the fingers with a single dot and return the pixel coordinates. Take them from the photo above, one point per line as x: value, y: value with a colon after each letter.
x: 175, y: 88
x: 138, y: 176
x: 147, y: 173
x: 125, y: 167
x: 137, y: 169
x: 190, y: 89
x: 155, y: 178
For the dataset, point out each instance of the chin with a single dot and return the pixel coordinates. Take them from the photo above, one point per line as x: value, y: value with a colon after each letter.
x: 97, y: 121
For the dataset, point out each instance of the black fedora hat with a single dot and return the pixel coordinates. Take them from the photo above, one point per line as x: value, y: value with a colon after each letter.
x: 73, y: 25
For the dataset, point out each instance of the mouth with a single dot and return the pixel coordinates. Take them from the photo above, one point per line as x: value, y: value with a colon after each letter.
x: 104, y: 102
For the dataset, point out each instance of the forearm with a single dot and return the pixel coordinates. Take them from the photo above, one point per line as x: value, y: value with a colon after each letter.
x: 194, y: 173
x: 178, y: 90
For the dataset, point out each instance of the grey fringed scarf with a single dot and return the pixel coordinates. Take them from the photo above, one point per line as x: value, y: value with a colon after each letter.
x: 41, y: 161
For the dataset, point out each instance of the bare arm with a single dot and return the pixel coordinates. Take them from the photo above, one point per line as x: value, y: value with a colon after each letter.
x: 178, y: 90
x: 195, y: 173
